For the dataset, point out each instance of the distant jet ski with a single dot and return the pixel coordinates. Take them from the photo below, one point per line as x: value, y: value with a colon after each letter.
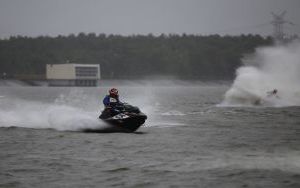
x: 128, y: 119
x: 270, y: 99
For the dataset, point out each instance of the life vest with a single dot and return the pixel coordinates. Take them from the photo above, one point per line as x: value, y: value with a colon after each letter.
x: 109, y: 101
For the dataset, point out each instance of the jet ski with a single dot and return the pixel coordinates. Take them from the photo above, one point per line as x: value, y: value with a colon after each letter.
x: 126, y: 118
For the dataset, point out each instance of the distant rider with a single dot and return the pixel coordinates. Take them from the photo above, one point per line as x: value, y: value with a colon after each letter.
x: 274, y: 92
x: 111, y: 103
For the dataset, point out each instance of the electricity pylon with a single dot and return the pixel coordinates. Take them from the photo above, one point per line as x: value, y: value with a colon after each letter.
x: 278, y: 24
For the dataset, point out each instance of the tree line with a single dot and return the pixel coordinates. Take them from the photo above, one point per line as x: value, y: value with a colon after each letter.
x: 183, y: 56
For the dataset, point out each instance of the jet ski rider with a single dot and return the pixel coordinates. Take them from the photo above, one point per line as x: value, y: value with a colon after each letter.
x: 274, y: 93
x: 111, y: 102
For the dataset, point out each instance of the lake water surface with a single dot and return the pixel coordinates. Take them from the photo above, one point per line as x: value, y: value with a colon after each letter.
x: 188, y: 141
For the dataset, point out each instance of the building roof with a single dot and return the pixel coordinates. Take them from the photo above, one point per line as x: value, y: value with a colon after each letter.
x: 75, y: 64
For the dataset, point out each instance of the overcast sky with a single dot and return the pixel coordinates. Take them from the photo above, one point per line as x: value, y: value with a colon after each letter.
x: 54, y: 17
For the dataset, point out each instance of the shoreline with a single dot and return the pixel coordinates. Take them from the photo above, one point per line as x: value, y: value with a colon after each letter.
x: 117, y: 82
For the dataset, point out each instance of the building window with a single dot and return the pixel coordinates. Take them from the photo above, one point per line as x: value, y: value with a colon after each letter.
x: 86, y: 71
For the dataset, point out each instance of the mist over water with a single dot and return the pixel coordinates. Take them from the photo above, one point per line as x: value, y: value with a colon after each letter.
x: 269, y: 68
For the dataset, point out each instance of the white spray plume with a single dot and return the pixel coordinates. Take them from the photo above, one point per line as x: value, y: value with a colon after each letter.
x: 268, y: 69
x: 33, y: 114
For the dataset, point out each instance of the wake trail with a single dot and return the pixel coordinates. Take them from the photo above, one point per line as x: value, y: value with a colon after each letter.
x: 38, y: 115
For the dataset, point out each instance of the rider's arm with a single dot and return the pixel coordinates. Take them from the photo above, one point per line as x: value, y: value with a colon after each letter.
x: 106, y: 101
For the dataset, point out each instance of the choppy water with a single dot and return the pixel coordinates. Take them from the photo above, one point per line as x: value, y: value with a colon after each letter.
x: 188, y: 141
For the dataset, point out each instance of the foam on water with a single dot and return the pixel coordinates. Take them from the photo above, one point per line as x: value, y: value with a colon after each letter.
x: 269, y: 68
x: 33, y: 114
x: 173, y: 113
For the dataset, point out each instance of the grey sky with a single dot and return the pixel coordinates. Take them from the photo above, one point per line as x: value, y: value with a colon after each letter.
x: 54, y: 17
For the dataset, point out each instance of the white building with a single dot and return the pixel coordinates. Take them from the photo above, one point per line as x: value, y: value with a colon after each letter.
x: 73, y: 74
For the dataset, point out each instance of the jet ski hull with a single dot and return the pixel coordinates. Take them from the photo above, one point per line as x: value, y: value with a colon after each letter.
x: 129, y: 119
x: 126, y: 125
x: 129, y: 124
